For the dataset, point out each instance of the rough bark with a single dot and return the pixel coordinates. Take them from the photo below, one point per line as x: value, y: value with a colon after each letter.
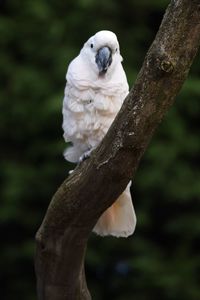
x: 94, y: 186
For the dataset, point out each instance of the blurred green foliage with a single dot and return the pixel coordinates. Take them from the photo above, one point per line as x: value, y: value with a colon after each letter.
x: 37, y: 41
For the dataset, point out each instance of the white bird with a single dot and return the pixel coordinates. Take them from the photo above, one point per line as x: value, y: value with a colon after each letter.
x: 95, y: 90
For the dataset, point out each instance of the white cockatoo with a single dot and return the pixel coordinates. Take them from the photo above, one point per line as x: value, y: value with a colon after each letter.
x: 95, y: 90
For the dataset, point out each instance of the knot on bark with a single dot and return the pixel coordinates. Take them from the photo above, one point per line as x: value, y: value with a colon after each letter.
x: 167, y: 66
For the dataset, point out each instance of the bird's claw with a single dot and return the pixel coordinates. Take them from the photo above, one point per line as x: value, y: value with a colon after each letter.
x: 85, y: 156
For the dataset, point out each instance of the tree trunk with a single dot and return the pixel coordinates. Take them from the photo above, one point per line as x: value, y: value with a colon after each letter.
x: 79, y: 202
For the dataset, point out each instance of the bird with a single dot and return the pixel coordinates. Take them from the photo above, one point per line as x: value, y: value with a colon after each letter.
x: 96, y: 86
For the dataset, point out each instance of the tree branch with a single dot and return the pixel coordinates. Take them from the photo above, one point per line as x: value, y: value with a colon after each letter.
x: 79, y: 202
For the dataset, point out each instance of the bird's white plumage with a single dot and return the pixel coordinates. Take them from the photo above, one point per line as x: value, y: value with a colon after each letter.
x: 90, y: 105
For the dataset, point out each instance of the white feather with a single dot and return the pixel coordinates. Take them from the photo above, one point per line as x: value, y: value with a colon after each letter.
x: 119, y: 219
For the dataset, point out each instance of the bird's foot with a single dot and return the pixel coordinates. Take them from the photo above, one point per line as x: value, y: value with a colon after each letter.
x: 85, y: 155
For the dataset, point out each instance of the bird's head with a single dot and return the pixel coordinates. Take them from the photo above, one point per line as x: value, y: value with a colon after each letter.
x: 102, y: 52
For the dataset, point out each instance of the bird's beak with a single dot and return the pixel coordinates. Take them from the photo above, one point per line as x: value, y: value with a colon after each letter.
x: 103, y: 59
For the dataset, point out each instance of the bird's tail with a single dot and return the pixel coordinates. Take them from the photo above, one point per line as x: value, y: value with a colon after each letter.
x: 119, y: 219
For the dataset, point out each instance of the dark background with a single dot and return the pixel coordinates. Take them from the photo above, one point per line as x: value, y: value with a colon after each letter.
x: 37, y: 41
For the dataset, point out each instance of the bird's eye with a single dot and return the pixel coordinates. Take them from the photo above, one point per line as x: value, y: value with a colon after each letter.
x: 91, y: 45
x: 116, y: 50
